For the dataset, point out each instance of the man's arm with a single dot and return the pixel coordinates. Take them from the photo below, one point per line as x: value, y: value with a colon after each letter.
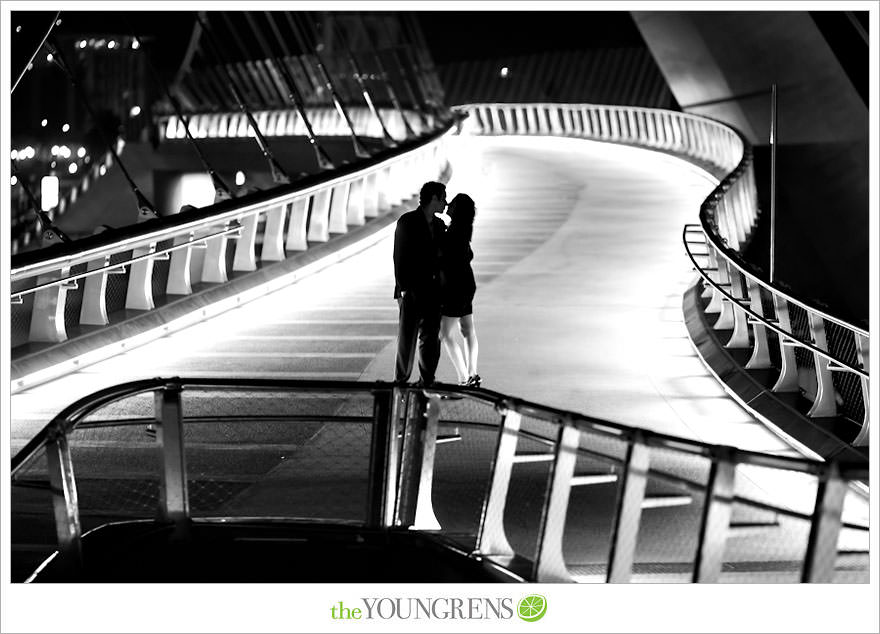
x: 402, y: 257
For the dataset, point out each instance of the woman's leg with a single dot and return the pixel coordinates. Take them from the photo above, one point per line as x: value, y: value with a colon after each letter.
x: 453, y: 348
x: 471, y: 345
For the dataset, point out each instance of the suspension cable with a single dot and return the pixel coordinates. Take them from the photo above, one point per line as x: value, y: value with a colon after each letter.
x: 387, y: 139
x: 411, y: 52
x: 384, y: 75
x: 36, y: 52
x: 278, y: 173
x: 145, y: 207
x: 405, y: 76
x: 246, y: 54
x: 293, y: 94
x: 221, y: 190
x: 359, y: 149
x: 48, y: 226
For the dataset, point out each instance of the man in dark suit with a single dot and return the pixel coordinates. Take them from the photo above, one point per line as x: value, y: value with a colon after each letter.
x: 417, y: 284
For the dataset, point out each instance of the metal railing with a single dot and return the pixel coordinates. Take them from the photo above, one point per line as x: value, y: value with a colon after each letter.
x: 551, y: 495
x: 78, y: 284
x: 813, y: 353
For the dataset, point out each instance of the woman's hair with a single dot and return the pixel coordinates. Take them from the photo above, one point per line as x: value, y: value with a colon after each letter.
x: 462, y: 211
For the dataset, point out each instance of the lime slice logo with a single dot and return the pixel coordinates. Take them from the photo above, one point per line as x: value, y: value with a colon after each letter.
x: 532, y: 608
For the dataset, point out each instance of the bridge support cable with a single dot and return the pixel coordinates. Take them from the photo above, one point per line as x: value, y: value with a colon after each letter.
x: 146, y: 210
x: 387, y: 139
x: 51, y: 233
x: 221, y: 189
x: 278, y: 173
x: 289, y: 83
x: 311, y: 43
x: 383, y: 75
x: 30, y: 62
x: 406, y: 77
x: 424, y: 64
x: 263, y: 94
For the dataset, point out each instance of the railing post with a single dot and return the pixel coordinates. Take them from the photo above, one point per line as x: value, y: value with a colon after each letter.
x: 319, y: 219
x: 245, y: 258
x: 139, y: 295
x: 273, y: 235
x: 214, y: 264
x: 739, y: 338
x: 383, y: 454
x: 298, y: 225
x: 717, y: 508
x: 371, y: 196
x: 549, y: 564
x: 93, y: 311
x: 531, y: 121
x: 64, y: 499
x: 382, y: 185
x: 825, y: 403
x: 425, y: 519
x: 491, y: 537
x: 354, y: 213
x: 173, y: 494
x: 338, y: 208
x: 47, y: 316
x: 787, y: 381
x: 825, y: 528
x: 629, y: 511
x: 760, y: 358
x: 417, y: 462
x: 179, y: 281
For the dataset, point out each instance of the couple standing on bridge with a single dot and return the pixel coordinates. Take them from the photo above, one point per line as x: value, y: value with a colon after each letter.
x: 435, y: 286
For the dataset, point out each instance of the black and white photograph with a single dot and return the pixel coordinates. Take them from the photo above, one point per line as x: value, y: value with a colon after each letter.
x: 439, y: 316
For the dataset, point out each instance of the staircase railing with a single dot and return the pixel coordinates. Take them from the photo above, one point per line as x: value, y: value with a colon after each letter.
x: 811, y: 352
x: 550, y: 495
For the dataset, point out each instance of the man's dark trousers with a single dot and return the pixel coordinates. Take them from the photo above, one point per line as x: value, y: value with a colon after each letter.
x: 419, y: 319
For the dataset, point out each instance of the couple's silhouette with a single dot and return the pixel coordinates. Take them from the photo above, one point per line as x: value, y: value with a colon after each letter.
x: 434, y: 286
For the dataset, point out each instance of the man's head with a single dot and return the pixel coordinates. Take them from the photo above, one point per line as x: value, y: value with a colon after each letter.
x: 432, y: 197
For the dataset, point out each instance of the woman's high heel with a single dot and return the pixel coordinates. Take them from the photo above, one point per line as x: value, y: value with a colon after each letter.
x: 474, y: 381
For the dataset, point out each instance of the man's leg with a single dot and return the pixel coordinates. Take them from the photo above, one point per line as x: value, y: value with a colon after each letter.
x: 407, y: 332
x: 429, y: 345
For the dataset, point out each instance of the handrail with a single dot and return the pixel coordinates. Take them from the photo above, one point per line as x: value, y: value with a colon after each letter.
x: 785, y: 333
x: 71, y: 416
x: 410, y: 472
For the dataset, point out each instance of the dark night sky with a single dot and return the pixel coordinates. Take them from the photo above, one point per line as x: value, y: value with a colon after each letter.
x: 461, y: 35
x: 451, y: 35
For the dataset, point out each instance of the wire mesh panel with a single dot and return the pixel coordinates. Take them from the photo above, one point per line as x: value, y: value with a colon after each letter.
x: 74, y: 299
x: 159, y: 280
x: 848, y: 385
x: 32, y: 533
x: 462, y: 462
x: 117, y: 285
x: 281, y: 454
x: 20, y: 321
x: 800, y: 328
x: 589, y: 521
x: 671, y: 517
x: 766, y: 546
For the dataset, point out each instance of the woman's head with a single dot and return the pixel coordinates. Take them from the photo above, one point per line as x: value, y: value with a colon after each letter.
x: 462, y: 211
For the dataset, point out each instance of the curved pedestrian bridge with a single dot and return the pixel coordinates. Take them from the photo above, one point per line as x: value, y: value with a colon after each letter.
x: 580, y: 276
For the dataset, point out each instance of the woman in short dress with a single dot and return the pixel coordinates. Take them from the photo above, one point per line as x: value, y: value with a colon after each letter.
x: 457, y: 288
